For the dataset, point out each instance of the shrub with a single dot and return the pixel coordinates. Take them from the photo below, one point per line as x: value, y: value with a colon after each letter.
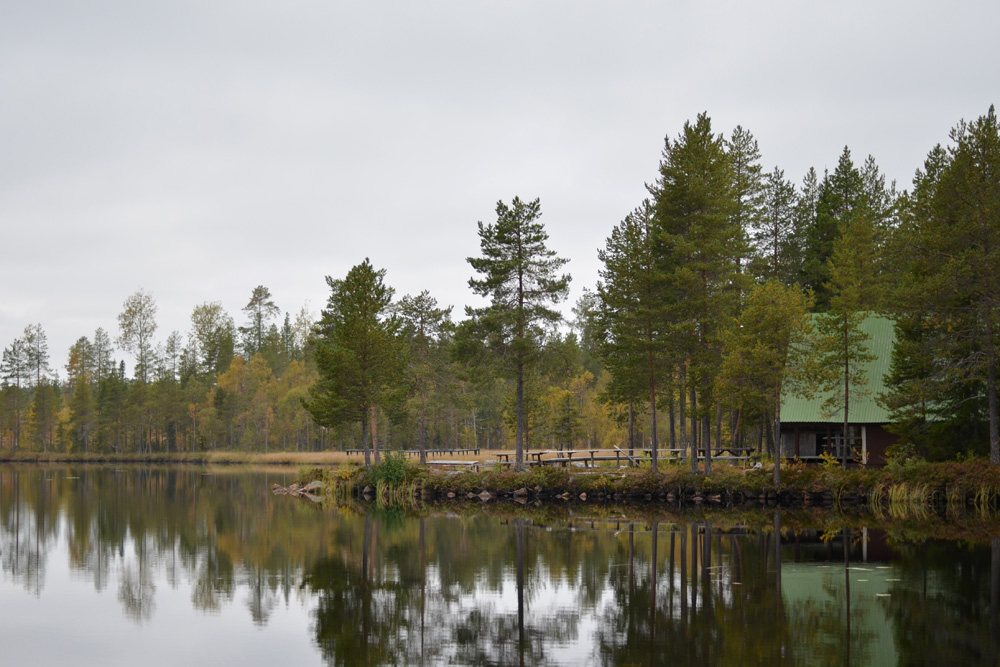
x: 392, y: 471
x: 548, y: 477
x: 347, y: 471
x: 830, y: 462
x: 901, y: 454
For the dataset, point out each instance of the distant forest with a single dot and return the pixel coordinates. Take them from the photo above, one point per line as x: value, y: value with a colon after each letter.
x: 727, y: 287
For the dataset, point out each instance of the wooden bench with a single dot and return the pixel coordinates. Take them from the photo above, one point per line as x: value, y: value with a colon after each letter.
x: 472, y: 465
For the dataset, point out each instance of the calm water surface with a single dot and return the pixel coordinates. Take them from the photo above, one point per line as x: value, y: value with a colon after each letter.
x: 105, y: 566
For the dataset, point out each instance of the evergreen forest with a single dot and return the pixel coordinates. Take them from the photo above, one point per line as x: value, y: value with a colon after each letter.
x: 731, y: 285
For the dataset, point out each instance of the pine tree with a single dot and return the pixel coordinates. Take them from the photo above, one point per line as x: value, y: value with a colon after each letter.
x: 775, y: 236
x: 748, y: 187
x: 766, y: 354
x: 520, y: 277
x: 839, y: 194
x: 424, y: 325
x: 260, y: 310
x: 841, y: 346
x: 44, y: 412
x: 950, y: 299
x: 101, y: 355
x: 586, y: 326
x: 807, y: 200
x: 15, y: 370
x: 36, y: 345
x: 632, y: 318
x: 359, y: 355
x: 81, y: 412
x: 700, y: 246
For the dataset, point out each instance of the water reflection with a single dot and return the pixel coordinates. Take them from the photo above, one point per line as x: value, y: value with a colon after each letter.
x: 512, y: 588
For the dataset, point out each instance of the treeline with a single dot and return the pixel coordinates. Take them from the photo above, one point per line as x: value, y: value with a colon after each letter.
x: 727, y: 288
x: 241, y: 387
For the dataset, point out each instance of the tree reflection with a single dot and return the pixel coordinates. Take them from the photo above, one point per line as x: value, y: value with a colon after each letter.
x: 941, y: 609
x: 262, y: 594
x: 511, y: 589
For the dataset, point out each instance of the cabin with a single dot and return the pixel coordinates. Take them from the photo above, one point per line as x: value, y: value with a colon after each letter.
x: 807, y: 431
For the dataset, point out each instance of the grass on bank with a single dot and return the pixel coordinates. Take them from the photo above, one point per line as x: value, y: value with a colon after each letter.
x: 910, y: 489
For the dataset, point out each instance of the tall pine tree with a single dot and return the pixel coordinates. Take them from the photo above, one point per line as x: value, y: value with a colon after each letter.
x: 632, y: 318
x: 949, y: 304
x: 520, y: 276
x: 700, y: 246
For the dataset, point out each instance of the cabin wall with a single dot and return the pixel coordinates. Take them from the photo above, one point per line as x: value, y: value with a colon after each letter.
x: 811, y: 440
x: 878, y: 441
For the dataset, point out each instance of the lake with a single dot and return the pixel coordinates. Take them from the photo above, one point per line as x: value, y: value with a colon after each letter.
x: 173, y: 566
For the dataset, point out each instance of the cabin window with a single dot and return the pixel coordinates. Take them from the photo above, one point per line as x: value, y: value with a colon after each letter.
x: 833, y: 442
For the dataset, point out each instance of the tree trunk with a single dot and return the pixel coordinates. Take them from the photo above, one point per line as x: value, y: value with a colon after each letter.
x: 777, y: 436
x: 681, y: 408
x: 847, y: 389
x: 374, y: 434
x: 706, y: 432
x: 694, y: 430
x: 631, y: 430
x: 718, y: 427
x: 991, y: 390
x: 653, y: 469
x: 423, y: 429
x: 519, y: 433
x: 673, y: 421
x: 364, y: 443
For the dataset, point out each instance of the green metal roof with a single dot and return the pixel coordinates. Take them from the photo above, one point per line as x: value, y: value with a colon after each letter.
x: 864, y: 409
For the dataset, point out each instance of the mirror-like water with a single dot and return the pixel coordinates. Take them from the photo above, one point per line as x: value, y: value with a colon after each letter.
x: 106, y: 566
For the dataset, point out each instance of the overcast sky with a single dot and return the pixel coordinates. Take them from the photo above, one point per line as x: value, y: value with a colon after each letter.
x: 199, y: 148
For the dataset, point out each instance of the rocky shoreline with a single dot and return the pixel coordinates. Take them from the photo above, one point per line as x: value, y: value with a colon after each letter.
x: 966, y: 485
x: 675, y: 496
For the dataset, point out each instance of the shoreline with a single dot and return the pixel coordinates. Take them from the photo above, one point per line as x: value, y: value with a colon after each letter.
x: 967, y: 485
x: 949, y: 486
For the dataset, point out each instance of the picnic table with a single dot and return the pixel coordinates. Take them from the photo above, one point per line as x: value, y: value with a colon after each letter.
x: 588, y: 457
x: 440, y: 451
x: 725, y: 453
x: 505, y: 458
